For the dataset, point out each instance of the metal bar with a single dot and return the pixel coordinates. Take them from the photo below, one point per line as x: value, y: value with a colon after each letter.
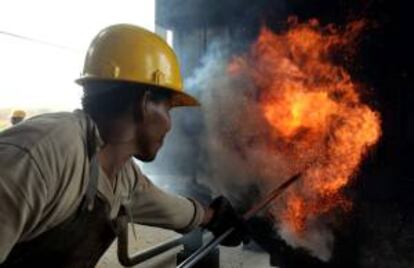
x: 270, y: 197
x: 123, y: 254
x: 204, y: 250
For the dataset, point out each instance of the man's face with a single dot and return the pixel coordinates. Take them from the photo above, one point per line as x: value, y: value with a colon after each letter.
x: 156, y: 123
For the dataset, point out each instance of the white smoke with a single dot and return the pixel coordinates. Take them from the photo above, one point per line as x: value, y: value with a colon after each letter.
x: 234, y: 135
x: 318, y: 239
x: 236, y: 157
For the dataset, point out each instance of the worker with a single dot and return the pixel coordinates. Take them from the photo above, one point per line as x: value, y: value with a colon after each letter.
x: 17, y: 116
x: 66, y: 177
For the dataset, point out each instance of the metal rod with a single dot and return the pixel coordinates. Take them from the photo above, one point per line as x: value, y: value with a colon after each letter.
x: 205, y: 249
x: 270, y: 197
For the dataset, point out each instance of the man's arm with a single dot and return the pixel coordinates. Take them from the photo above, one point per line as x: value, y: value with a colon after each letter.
x: 22, y: 196
x: 155, y: 207
x: 152, y: 206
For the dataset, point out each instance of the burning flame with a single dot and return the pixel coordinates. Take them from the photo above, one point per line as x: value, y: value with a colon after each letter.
x: 314, y: 112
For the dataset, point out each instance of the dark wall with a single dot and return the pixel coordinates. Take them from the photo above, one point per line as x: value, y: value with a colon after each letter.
x: 382, y: 64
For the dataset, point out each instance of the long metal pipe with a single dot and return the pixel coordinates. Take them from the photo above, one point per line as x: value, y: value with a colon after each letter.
x: 204, y: 250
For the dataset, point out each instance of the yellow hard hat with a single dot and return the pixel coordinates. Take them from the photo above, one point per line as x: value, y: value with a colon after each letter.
x: 129, y: 53
x: 19, y: 114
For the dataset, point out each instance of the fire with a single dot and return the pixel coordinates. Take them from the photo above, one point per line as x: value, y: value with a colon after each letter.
x: 314, y: 111
x: 298, y: 110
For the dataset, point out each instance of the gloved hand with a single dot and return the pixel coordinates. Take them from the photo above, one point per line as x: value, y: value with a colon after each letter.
x: 225, y: 217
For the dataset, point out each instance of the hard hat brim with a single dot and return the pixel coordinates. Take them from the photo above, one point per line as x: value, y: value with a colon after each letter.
x: 180, y: 99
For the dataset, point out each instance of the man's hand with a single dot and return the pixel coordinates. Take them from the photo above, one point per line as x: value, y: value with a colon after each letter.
x: 221, y: 216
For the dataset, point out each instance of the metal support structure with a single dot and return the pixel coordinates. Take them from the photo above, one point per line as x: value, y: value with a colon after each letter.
x: 204, y: 250
x: 127, y: 260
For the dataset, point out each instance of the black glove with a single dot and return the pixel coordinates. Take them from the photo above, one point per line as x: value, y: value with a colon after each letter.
x: 225, y: 217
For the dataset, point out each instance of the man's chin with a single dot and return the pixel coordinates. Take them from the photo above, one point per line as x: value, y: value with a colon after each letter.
x: 145, y: 157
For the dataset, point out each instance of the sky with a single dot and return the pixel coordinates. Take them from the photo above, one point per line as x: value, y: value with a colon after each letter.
x: 41, y: 73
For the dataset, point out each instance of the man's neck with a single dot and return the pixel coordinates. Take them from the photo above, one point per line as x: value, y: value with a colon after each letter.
x: 119, y: 136
x: 112, y: 159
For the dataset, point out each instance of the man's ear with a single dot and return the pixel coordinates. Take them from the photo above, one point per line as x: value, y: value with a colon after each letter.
x: 143, y: 104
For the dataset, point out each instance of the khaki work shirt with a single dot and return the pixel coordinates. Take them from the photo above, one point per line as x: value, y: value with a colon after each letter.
x: 45, y: 165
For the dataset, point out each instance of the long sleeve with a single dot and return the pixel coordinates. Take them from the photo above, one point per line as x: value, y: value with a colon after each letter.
x: 22, y: 197
x: 155, y: 207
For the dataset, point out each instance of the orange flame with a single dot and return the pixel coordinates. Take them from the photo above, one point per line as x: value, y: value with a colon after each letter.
x: 314, y: 111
